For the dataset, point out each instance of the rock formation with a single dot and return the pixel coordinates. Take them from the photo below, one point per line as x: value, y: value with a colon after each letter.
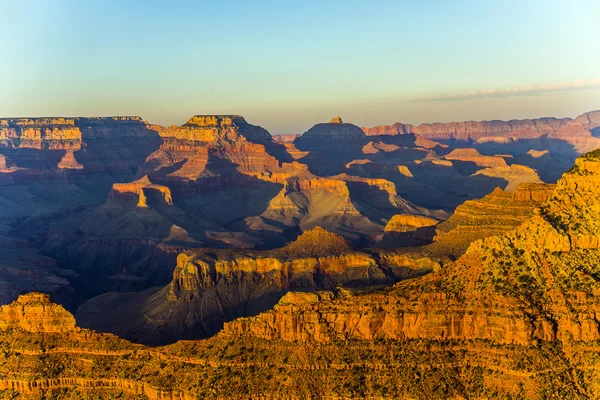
x: 136, y: 193
x: 513, y: 317
x: 404, y: 230
x: 212, y: 286
x: 34, y: 312
x: 94, y: 205
x: 494, y: 214
x: 336, y: 132
x: 473, y: 156
x: 513, y: 175
x: 524, y: 287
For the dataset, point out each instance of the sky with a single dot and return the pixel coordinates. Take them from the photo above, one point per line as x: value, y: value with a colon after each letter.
x: 287, y: 65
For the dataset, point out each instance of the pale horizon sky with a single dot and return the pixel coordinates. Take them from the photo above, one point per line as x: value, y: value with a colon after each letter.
x: 289, y: 65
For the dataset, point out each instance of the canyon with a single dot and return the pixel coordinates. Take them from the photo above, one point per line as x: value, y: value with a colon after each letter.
x: 298, y: 266
x: 513, y: 315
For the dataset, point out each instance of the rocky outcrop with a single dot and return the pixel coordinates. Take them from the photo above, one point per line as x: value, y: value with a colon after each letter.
x: 69, y: 161
x: 212, y: 286
x: 473, y: 156
x: 136, y: 193
x: 514, y: 175
x: 209, y: 128
x: 535, y: 192
x: 526, y: 286
x: 404, y: 230
x: 408, y: 222
x: 494, y: 214
x: 34, y: 312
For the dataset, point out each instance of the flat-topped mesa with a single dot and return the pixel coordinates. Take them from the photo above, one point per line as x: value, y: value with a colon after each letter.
x: 473, y: 130
x: 514, y: 175
x: 209, y: 128
x: 72, y: 129
x: 36, y: 122
x: 136, y: 193
x: 34, y: 312
x: 215, y: 120
x: 409, y: 222
x: 473, y: 156
x: 69, y: 121
x: 408, y: 230
x: 396, y: 129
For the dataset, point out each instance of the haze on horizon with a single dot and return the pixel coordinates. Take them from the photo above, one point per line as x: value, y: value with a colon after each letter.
x: 289, y: 66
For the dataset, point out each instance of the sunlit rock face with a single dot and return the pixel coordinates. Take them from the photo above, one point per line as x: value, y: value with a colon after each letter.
x: 75, y: 149
x: 96, y: 205
x: 34, y: 312
x: 473, y: 156
x: 533, y: 283
x: 583, y: 133
x: 212, y: 286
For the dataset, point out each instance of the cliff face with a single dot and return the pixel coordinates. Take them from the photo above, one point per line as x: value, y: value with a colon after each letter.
x: 136, y: 192
x: 404, y: 230
x: 473, y: 130
x: 473, y: 156
x: 582, y: 133
x: 34, y: 312
x: 114, y: 200
x: 213, y: 286
x: 534, y: 283
x: 80, y: 363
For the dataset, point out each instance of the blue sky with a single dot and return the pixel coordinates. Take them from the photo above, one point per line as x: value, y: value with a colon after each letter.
x: 287, y: 65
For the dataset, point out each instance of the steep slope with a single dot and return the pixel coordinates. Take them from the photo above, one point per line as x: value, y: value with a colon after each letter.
x: 494, y: 214
x: 534, y: 284
x: 212, y: 286
x: 582, y: 133
x: 33, y: 312
x: 404, y: 230
x: 354, y: 207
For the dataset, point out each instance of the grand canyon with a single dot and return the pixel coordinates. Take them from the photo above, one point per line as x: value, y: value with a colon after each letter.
x: 214, y: 260
x: 299, y: 200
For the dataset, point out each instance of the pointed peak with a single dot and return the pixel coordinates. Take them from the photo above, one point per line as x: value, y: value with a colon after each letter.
x: 336, y: 120
x: 317, y: 242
